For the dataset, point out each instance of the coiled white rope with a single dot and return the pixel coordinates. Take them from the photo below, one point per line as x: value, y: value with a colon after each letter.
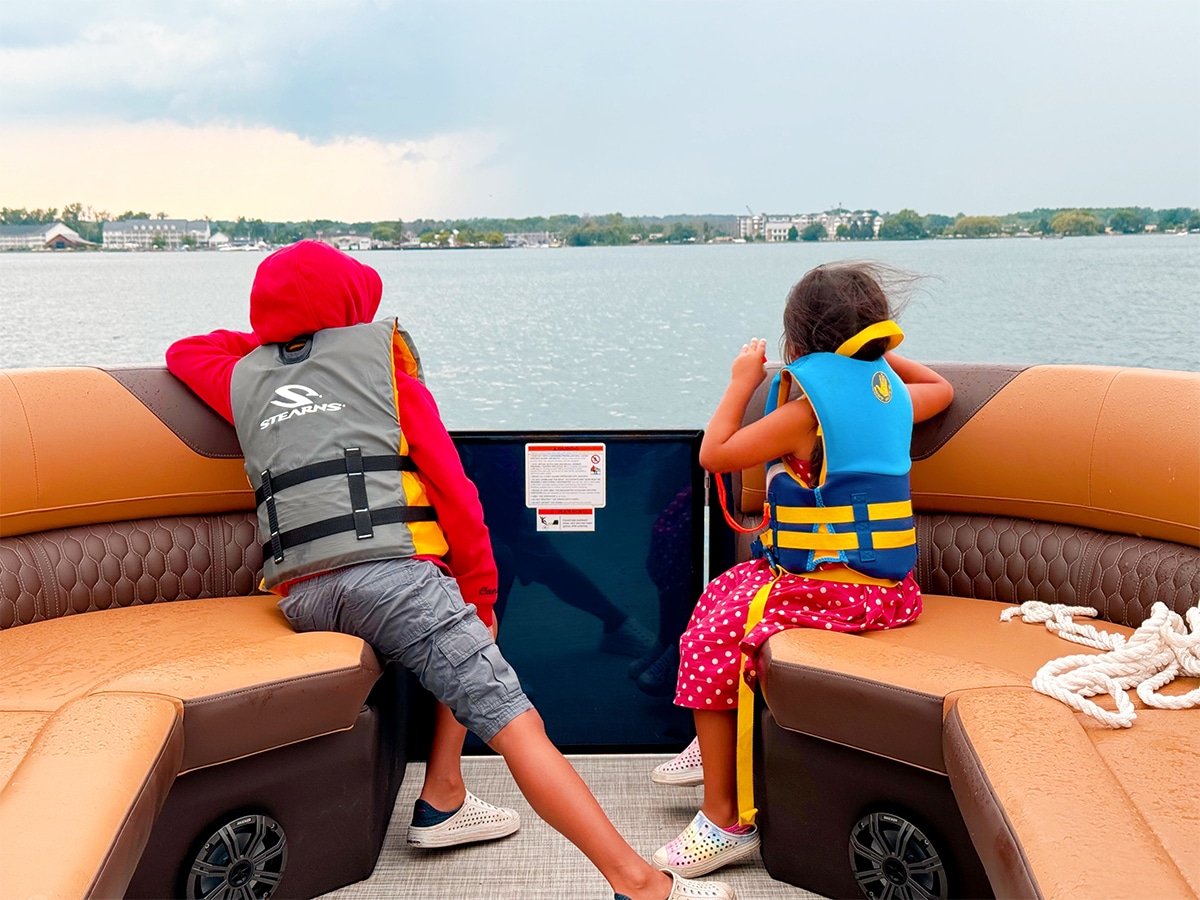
x: 1165, y: 646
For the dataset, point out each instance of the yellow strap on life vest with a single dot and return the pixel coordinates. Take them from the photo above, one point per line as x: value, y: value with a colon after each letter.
x: 824, y: 515
x: 886, y: 329
x: 745, y: 715
x: 807, y: 540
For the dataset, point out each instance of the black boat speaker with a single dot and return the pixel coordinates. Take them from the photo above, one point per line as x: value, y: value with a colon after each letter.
x: 892, y: 858
x: 243, y: 859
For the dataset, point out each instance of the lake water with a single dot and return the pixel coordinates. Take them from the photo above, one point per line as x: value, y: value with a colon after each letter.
x: 631, y: 337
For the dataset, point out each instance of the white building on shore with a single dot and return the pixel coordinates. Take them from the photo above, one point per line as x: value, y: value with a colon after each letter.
x: 146, y: 234
x: 46, y: 236
x: 777, y: 228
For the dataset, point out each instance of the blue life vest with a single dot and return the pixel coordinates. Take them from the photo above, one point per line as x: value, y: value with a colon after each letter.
x: 859, y: 513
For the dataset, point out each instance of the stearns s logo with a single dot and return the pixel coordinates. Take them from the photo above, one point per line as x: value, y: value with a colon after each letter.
x: 297, y: 400
x: 294, y: 395
x: 881, y: 387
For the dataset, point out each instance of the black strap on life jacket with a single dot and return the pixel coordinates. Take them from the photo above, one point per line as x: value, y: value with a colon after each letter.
x: 361, y: 519
x: 389, y: 462
x: 388, y: 515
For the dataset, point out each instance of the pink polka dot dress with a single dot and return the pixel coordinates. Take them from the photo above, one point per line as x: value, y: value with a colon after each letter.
x: 711, y: 646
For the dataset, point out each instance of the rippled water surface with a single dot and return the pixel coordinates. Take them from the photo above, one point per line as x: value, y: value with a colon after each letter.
x: 631, y: 336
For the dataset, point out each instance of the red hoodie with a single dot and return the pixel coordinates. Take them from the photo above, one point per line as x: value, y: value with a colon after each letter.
x: 308, y: 286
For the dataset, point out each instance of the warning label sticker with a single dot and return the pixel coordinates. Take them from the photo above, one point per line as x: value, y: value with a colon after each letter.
x: 566, y: 520
x: 565, y: 476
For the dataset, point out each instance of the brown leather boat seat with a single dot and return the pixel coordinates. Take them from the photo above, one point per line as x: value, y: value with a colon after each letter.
x: 245, y: 681
x: 80, y: 788
x: 1073, y: 808
x: 1063, y: 484
x: 887, y: 692
x: 147, y: 693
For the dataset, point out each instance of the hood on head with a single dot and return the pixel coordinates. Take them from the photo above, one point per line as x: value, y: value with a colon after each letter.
x: 307, y: 286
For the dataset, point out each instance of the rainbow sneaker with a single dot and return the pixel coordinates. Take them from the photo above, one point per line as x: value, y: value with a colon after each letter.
x: 703, y: 847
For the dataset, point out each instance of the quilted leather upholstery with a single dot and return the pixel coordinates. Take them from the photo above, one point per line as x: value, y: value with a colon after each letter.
x: 92, y: 567
x: 1014, y: 560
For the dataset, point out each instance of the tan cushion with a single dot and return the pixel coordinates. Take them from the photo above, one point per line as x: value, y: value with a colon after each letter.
x: 1052, y: 817
x: 18, y: 728
x: 886, y: 691
x: 77, y: 810
x: 247, y: 682
x: 1157, y: 763
x: 136, y: 465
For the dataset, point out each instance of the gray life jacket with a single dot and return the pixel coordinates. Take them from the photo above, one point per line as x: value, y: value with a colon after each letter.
x: 326, y: 454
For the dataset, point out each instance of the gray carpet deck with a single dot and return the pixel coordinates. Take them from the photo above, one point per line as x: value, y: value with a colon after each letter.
x: 536, y: 863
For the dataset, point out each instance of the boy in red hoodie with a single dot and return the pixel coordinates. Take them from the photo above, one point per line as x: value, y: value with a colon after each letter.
x: 370, y: 527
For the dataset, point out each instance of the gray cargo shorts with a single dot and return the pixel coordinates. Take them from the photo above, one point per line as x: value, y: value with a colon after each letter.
x: 412, y: 613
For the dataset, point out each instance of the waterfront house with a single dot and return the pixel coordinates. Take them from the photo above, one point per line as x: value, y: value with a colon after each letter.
x: 146, y: 234
x: 346, y: 242
x: 44, y: 236
x: 532, y: 239
x: 776, y: 228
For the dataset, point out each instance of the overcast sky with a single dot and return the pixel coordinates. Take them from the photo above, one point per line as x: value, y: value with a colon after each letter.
x: 375, y: 109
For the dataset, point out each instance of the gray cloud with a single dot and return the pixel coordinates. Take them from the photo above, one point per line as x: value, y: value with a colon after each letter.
x: 659, y: 107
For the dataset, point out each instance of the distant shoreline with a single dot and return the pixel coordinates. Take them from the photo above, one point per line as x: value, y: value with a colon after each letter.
x: 76, y: 227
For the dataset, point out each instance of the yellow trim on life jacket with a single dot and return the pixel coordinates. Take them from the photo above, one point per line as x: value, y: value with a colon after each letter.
x: 405, y: 353
x: 820, y: 515
x: 745, y: 715
x: 427, y: 537
x: 846, y: 575
x: 807, y: 540
x: 886, y: 329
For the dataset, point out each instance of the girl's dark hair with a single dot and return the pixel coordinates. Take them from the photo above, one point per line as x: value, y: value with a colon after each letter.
x: 834, y: 302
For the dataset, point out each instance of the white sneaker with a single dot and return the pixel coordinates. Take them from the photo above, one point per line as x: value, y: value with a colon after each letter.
x: 686, y: 889
x: 685, y: 770
x: 474, y: 821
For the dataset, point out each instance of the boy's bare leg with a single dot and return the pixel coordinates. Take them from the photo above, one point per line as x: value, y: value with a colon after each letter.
x: 557, y: 794
x: 717, y: 731
x: 444, y: 788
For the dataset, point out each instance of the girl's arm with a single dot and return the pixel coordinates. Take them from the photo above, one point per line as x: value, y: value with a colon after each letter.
x: 727, y: 446
x: 930, y: 392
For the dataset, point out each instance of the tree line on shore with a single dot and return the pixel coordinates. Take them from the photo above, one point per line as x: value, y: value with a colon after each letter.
x: 617, y: 229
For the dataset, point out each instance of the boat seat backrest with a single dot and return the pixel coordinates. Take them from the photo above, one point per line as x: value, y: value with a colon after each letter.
x: 1027, y: 488
x: 66, y: 571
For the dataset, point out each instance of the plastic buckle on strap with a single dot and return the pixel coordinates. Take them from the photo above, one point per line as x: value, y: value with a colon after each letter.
x: 276, y: 549
x: 272, y: 517
x: 770, y: 556
x: 363, y: 527
x: 862, y: 525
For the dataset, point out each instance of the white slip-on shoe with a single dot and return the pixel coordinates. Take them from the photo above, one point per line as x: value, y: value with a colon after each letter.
x: 474, y: 821
x: 686, y: 889
x: 685, y: 770
x: 703, y: 847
